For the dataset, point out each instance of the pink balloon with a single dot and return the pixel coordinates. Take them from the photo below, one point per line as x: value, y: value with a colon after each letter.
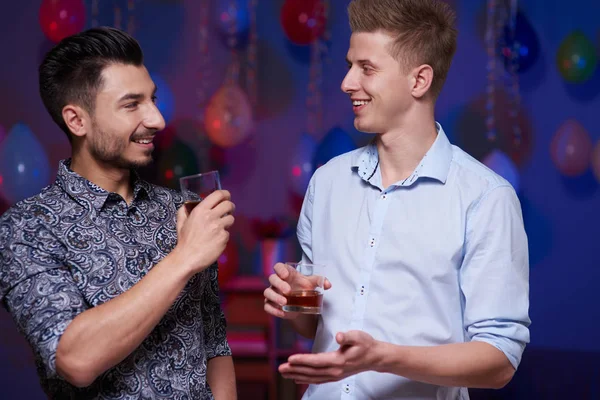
x: 571, y: 148
x: 228, y: 117
x: 596, y: 160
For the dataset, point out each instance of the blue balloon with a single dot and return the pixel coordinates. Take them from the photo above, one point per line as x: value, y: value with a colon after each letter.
x: 165, y: 101
x: 23, y: 164
x: 336, y: 142
x: 302, y: 164
x: 233, y: 22
x: 504, y: 166
x: 524, y: 46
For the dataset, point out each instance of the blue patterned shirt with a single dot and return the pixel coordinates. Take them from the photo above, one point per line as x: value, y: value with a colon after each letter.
x: 75, y: 246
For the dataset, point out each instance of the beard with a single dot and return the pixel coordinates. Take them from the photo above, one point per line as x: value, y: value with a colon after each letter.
x: 110, y: 149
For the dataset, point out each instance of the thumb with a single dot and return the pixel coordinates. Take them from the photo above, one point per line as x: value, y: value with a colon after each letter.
x: 326, y: 284
x: 347, y: 338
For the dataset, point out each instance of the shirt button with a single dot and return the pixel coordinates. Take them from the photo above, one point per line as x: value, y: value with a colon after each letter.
x: 347, y: 388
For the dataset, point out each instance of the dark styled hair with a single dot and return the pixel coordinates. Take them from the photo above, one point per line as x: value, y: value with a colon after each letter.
x: 424, y: 32
x: 71, y: 73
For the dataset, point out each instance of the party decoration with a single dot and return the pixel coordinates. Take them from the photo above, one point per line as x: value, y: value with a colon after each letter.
x: 576, y: 58
x: 336, y: 142
x: 502, y: 164
x: 519, y: 44
x: 165, y: 101
x: 302, y: 164
x: 229, y: 262
x: 303, y: 21
x: 23, y: 164
x: 233, y: 21
x: 596, y: 161
x: 61, y: 18
x: 571, y: 149
x: 176, y: 161
x: 228, y: 117
x: 512, y: 130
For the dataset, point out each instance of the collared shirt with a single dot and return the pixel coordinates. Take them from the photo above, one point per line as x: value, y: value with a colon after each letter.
x: 76, y: 246
x: 439, y: 257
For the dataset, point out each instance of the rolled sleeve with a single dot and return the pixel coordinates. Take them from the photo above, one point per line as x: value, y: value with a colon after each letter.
x: 213, y: 318
x: 38, y: 291
x: 495, y: 274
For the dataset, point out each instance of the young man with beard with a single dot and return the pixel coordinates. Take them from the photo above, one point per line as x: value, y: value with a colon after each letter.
x: 424, y: 246
x: 114, y: 288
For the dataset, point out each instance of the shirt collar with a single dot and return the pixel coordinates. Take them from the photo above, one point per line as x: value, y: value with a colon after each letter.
x: 435, y: 164
x: 89, y: 194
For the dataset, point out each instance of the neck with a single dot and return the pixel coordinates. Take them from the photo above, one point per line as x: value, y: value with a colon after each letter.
x: 106, y: 176
x: 403, y: 147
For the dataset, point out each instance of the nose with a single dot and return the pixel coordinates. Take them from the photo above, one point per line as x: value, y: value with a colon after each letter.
x: 350, y: 83
x: 154, y: 119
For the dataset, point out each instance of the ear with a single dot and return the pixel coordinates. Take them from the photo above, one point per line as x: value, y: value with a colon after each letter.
x: 77, y: 119
x: 422, y: 77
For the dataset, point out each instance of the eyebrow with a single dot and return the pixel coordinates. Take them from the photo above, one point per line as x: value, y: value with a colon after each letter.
x: 136, y: 96
x: 359, y: 61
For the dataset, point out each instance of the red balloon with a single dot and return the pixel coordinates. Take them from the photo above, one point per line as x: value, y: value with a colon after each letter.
x: 303, y: 21
x: 571, y: 148
x: 61, y: 18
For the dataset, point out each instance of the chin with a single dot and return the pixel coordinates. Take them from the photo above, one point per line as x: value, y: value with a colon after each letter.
x: 364, y: 127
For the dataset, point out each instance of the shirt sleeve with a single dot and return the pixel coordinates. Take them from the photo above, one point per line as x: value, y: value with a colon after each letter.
x: 304, y: 227
x: 495, y: 274
x: 213, y: 318
x: 37, y: 289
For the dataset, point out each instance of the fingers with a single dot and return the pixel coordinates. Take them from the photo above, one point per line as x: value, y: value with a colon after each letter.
x: 278, y: 283
x: 273, y: 296
x: 326, y: 284
x: 182, y: 215
x: 282, y: 270
x: 273, y: 310
x: 216, y: 197
x: 228, y: 221
x: 223, y: 208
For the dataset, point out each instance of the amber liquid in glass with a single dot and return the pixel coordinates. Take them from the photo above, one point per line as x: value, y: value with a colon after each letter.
x: 304, y: 301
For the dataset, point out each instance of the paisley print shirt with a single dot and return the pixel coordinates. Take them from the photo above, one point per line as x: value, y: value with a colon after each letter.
x: 75, y: 246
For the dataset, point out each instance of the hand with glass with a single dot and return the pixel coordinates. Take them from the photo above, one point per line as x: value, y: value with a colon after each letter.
x: 296, y: 289
x: 204, y: 220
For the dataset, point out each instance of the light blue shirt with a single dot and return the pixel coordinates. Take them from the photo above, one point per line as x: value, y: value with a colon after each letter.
x: 440, y: 257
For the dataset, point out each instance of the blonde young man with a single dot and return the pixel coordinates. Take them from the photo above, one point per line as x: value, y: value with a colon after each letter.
x: 425, y: 248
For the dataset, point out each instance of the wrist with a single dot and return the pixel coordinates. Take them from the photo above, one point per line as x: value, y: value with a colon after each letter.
x: 181, y: 262
x: 382, y: 354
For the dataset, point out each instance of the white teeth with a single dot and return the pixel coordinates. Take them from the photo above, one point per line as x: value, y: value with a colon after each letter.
x: 145, y: 141
x: 357, y: 103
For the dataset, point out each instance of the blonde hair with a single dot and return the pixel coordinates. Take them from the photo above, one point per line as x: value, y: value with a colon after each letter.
x: 424, y: 32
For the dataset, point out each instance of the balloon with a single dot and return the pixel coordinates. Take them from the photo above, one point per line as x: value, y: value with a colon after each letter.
x: 336, y: 142
x: 570, y: 148
x: 524, y: 46
x: 177, y: 161
x: 61, y: 18
x: 233, y: 22
x: 165, y: 101
x: 23, y: 164
x: 502, y: 164
x: 596, y: 160
x: 576, y: 58
x: 470, y: 129
x: 301, y: 168
x: 229, y: 263
x: 228, y: 116
x: 303, y: 21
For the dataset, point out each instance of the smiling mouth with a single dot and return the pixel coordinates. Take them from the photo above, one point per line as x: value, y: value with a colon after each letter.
x: 358, y: 103
x: 143, y: 141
